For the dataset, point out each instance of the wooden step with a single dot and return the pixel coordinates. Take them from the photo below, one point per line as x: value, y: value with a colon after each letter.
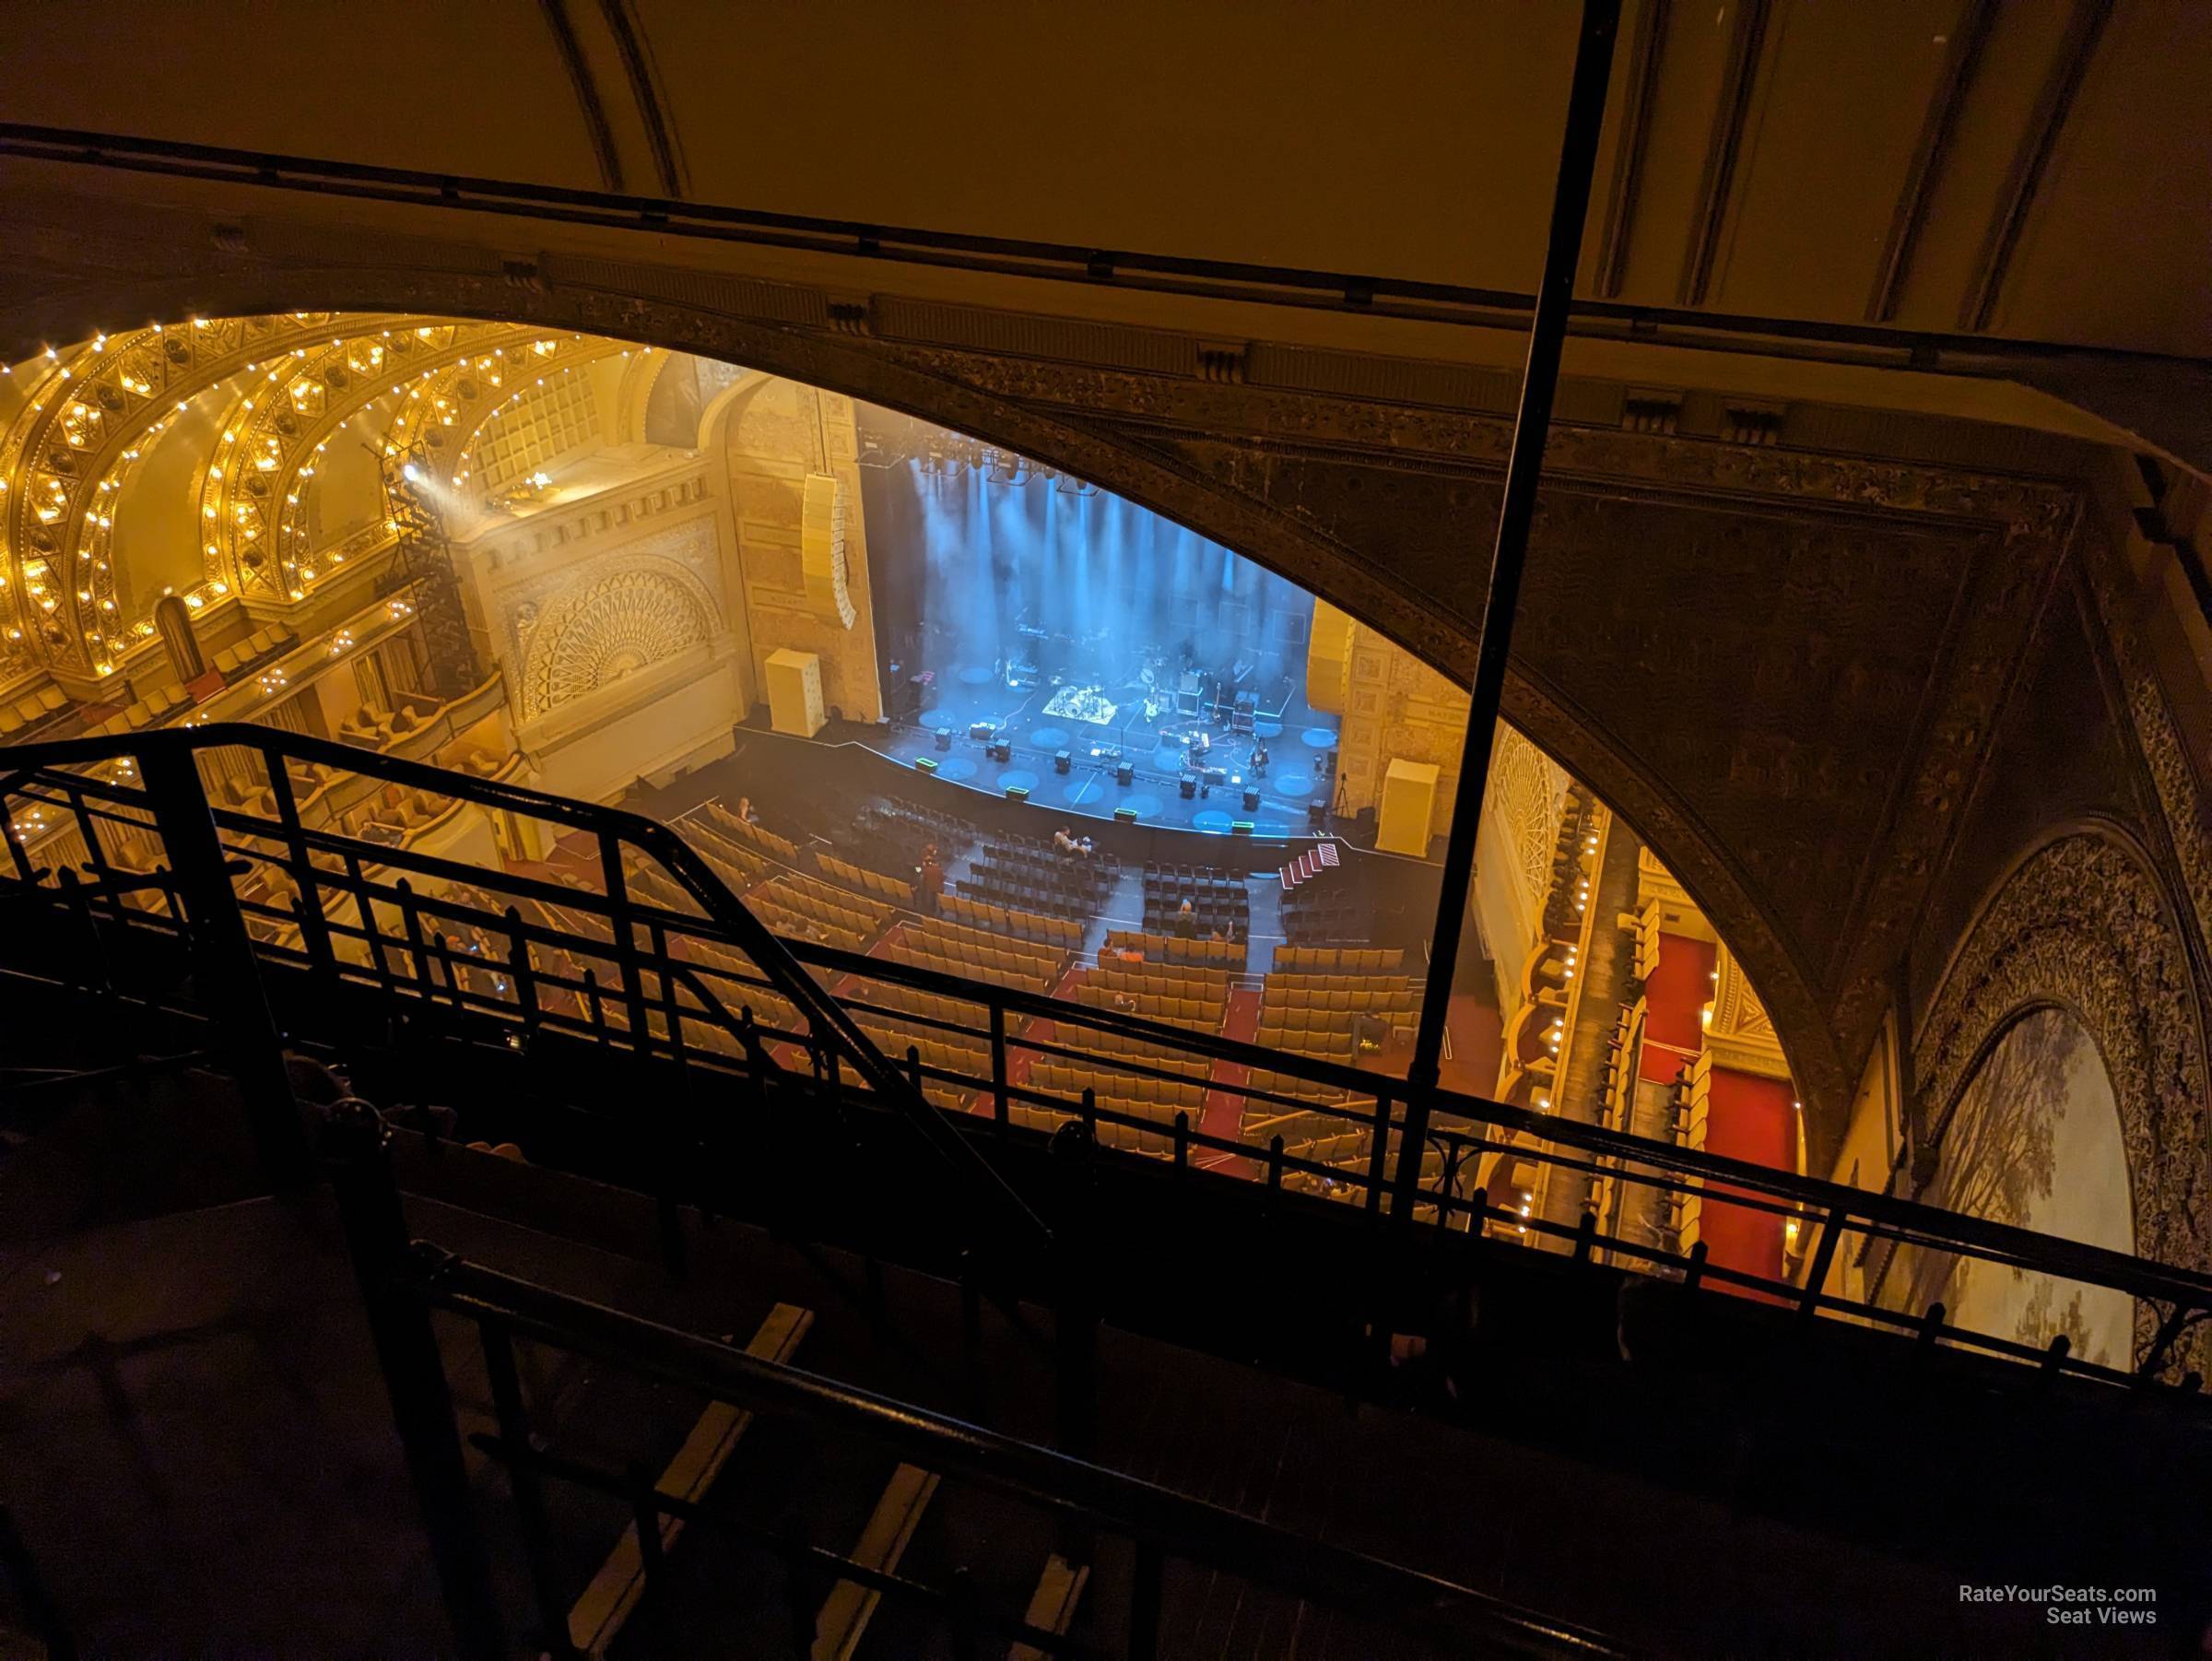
x: 844, y: 1616
x: 598, y: 1615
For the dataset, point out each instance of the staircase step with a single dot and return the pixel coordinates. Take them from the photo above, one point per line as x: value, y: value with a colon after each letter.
x: 883, y: 1540
x: 598, y: 1615
x: 1052, y: 1606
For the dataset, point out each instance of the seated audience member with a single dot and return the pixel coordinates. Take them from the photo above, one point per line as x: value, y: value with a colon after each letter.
x: 1125, y: 1003
x: 744, y: 811
x: 1186, y: 923
x: 933, y: 878
x: 1065, y: 843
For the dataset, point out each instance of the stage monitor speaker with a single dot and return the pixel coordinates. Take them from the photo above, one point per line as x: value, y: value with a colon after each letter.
x: 943, y: 738
x: 1251, y: 801
x: 926, y: 763
x: 999, y: 751
x: 1126, y: 815
x: 1188, y: 786
x: 1240, y: 828
x: 1124, y: 775
x: 1018, y: 793
x: 1317, y: 814
x: 1063, y: 761
x: 983, y: 729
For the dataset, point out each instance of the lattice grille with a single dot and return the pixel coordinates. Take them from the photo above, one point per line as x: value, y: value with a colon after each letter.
x: 547, y: 424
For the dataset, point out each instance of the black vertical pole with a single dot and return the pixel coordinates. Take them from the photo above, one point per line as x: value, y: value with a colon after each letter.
x: 1509, y: 557
x: 353, y: 1142
x: 225, y: 974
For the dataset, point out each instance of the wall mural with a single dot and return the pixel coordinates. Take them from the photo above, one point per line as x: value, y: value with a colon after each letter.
x: 2042, y: 1103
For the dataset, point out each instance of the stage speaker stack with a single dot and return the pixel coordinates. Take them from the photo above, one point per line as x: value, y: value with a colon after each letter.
x: 1317, y: 815
x: 1063, y: 761
x: 943, y: 738
x: 998, y: 750
x: 1126, y: 815
x: 1251, y: 801
x: 1018, y: 793
x: 1188, y: 786
x: 1125, y: 773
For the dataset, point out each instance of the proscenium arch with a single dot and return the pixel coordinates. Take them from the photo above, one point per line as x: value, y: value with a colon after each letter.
x: 851, y: 365
x: 2080, y: 922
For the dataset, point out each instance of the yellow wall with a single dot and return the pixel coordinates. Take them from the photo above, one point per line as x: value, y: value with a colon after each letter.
x: 774, y: 435
x: 1396, y: 707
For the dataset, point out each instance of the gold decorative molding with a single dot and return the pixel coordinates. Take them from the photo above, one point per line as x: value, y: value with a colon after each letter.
x: 1738, y: 1034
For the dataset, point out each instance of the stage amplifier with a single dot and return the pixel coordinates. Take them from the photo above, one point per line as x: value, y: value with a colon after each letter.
x: 1126, y: 815
x: 1188, y: 786
x: 943, y: 738
x: 1063, y: 761
x: 1317, y: 814
x: 1251, y: 801
x: 1018, y: 793
x: 1125, y: 773
x: 998, y: 750
x: 981, y: 729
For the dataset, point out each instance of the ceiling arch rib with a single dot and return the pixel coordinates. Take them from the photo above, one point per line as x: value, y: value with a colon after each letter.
x: 88, y: 420
x: 256, y: 494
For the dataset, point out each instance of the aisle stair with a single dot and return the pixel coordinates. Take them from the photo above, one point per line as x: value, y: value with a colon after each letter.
x: 1320, y: 857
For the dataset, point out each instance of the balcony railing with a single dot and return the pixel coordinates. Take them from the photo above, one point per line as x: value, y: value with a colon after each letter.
x: 643, y: 949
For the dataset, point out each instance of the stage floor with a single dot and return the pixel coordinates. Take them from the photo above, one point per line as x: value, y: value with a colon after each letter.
x: 1297, y: 741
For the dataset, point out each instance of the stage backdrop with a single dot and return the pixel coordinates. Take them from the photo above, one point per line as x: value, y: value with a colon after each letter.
x: 967, y: 559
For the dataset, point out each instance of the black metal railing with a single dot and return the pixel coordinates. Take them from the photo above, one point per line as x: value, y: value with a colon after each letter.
x: 404, y: 1280
x: 573, y: 946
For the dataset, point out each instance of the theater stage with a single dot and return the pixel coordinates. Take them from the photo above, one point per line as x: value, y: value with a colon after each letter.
x: 1298, y: 743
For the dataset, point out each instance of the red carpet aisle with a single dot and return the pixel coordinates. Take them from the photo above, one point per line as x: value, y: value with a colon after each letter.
x: 1224, y: 1106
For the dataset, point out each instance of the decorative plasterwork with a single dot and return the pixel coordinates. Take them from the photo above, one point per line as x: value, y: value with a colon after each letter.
x: 1527, y: 794
x: 621, y: 614
x: 1243, y: 463
x: 2082, y: 925
x: 1740, y: 1035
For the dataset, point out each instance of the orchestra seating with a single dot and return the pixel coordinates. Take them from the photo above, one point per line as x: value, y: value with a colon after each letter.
x: 848, y: 874
x: 733, y: 829
x: 1197, y: 999
x: 1218, y: 899
x: 809, y: 909
x: 1317, y: 913
x: 739, y: 864
x: 1329, y: 959
x: 1064, y: 933
x: 1388, y: 996
x: 1170, y: 948
x: 1037, y: 877
x: 964, y: 953
x: 891, y: 835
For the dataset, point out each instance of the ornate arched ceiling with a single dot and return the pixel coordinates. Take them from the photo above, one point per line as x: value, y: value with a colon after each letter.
x: 1788, y: 690
x: 260, y: 399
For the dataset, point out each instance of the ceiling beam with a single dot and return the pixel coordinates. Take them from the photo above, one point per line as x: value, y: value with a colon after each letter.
x: 1968, y: 38
x: 1644, y: 52
x: 2031, y: 160
x: 1730, y: 115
